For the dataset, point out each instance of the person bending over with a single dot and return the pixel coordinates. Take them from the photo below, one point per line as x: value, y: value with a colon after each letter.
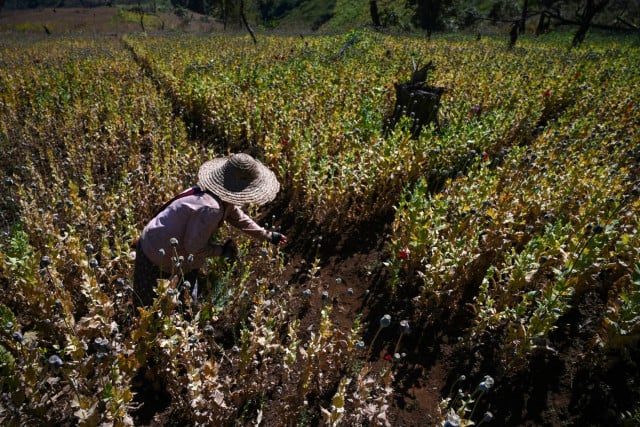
x: 185, y: 225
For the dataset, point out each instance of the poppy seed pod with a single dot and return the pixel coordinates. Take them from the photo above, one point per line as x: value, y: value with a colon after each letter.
x: 55, y: 361
x: 453, y: 420
x: 406, y: 328
x: 45, y: 261
x: 101, y: 344
x: 486, y: 383
x: 385, y: 321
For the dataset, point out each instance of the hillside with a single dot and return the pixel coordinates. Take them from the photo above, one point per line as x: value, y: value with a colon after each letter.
x: 306, y: 16
x: 101, y: 20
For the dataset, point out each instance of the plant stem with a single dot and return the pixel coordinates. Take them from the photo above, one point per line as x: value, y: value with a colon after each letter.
x: 373, y: 341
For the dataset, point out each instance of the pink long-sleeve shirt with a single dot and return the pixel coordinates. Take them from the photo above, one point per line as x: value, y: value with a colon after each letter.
x: 192, y: 220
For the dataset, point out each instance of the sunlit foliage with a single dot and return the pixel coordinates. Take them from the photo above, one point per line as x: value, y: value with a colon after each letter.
x: 522, y: 201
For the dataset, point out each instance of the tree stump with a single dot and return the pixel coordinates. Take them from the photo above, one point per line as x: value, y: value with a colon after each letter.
x: 418, y: 101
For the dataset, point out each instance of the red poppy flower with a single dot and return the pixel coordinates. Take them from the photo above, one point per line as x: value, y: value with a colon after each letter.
x: 546, y: 93
x: 388, y: 357
x: 403, y: 254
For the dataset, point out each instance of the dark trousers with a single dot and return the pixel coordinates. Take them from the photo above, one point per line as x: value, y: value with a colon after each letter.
x: 145, y: 277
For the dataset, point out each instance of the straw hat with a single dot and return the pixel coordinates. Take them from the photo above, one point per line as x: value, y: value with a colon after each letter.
x: 239, y: 179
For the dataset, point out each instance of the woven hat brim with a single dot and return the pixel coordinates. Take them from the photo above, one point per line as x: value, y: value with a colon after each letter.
x: 260, y: 190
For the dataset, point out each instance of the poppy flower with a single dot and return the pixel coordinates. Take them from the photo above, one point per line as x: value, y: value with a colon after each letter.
x: 404, y: 254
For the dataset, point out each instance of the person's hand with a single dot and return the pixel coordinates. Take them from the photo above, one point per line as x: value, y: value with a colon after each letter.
x: 278, y: 239
x: 229, y: 250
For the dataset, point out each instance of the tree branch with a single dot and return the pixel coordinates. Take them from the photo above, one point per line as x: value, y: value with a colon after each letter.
x: 627, y: 23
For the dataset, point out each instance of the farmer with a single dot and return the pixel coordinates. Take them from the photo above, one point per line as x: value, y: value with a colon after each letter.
x: 185, y: 225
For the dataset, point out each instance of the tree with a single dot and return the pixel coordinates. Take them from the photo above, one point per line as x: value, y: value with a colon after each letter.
x: 197, y: 6
x: 375, y: 16
x: 430, y: 13
x: 543, y: 23
x: 141, y: 11
x: 591, y: 9
x: 513, y: 34
x: 584, y: 13
x: 246, y: 23
x: 523, y: 18
x: 225, y: 12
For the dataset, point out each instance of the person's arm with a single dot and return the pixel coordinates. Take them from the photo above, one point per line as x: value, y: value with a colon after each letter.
x: 243, y: 222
